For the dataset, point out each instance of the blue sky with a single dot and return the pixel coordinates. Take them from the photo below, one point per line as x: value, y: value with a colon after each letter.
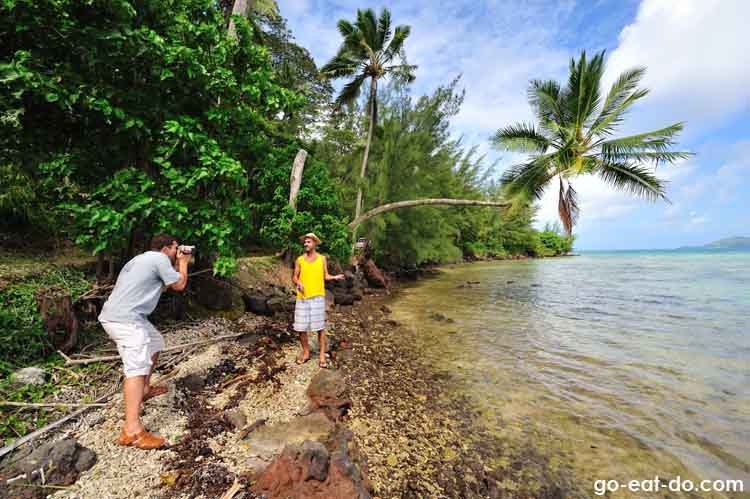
x: 698, y: 59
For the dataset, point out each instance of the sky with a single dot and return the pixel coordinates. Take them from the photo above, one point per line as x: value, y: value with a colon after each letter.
x: 697, y: 55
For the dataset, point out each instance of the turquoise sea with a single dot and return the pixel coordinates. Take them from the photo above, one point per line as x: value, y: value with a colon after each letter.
x: 628, y: 364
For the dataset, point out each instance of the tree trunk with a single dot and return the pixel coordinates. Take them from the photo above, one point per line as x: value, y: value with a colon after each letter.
x: 422, y: 202
x: 296, y: 178
x: 363, y: 171
x: 240, y: 8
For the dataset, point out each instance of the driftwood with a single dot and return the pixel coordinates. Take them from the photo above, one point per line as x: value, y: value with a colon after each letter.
x: 360, y: 219
x: 239, y: 8
x: 70, y: 362
x: 236, y: 487
x: 296, y: 179
x: 251, y: 428
x: 46, y: 404
x: 57, y: 314
x: 41, y: 431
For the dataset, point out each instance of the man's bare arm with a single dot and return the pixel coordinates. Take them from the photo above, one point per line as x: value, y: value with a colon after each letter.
x: 182, y: 268
x: 295, y: 277
x: 327, y: 276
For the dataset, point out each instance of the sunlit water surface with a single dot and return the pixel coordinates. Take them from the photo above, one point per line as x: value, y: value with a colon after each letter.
x: 627, y: 364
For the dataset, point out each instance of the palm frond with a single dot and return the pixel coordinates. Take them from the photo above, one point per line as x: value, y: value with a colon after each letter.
x: 520, y: 137
x: 384, y: 28
x: 544, y: 97
x: 656, y: 141
x: 397, y: 43
x: 529, y: 178
x: 582, y: 91
x: 623, y: 93
x: 367, y: 24
x: 343, y: 65
x: 403, y: 73
x: 567, y: 206
x: 345, y: 28
x: 350, y: 92
x: 635, y: 179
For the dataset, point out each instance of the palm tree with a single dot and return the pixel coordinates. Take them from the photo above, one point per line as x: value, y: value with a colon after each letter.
x: 573, y: 136
x: 369, y: 50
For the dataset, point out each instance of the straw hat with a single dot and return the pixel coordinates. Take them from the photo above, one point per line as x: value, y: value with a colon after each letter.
x: 312, y: 236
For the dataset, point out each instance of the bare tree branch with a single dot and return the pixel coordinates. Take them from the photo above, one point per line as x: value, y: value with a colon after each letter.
x: 423, y: 202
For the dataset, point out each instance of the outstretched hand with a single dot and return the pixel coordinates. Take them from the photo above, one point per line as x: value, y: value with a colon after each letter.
x: 339, y: 277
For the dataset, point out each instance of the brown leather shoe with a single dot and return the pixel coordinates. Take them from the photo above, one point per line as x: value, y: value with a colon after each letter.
x: 155, y: 391
x: 141, y: 440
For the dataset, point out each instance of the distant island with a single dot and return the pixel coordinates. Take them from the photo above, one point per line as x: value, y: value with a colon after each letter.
x: 739, y: 242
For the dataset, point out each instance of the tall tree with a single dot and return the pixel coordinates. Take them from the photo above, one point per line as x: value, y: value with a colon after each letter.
x: 370, y: 50
x: 573, y: 136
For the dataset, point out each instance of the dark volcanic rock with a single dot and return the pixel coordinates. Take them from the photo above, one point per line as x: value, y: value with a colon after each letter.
x: 214, y: 294
x: 192, y: 383
x: 343, y: 298
x: 256, y: 304
x: 62, y: 462
x: 328, y: 391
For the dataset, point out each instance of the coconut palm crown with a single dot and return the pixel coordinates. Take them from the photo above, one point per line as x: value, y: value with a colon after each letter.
x: 574, y: 136
x: 370, y: 49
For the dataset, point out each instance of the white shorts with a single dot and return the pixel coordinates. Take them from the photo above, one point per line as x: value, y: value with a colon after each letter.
x: 136, y: 343
x: 310, y: 314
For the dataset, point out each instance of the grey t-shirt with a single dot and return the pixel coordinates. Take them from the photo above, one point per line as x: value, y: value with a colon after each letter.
x: 139, y: 287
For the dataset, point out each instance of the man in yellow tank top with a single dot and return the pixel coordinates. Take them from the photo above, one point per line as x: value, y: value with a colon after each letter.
x: 310, y: 274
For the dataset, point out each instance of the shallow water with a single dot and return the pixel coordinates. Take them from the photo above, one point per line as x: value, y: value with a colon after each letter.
x: 630, y: 364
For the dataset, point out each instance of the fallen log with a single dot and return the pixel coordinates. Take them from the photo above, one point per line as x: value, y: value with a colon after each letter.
x: 106, y: 358
x: 47, y: 404
x: 41, y: 431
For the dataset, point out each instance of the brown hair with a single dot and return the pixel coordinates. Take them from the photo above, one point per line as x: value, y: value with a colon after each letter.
x: 160, y: 241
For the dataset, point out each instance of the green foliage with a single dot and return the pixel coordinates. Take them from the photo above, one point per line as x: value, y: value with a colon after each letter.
x: 318, y: 206
x: 555, y: 242
x: 573, y: 136
x: 413, y: 157
x: 23, y: 340
x: 145, y: 115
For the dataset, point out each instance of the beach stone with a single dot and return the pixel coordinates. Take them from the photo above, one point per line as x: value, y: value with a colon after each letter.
x: 330, y: 300
x: 236, y: 418
x: 29, y: 376
x: 374, y: 275
x: 385, y: 309
x: 344, y: 299
x: 328, y: 392
x: 192, y: 383
x: 256, y: 304
x: 266, y: 442
x: 62, y: 462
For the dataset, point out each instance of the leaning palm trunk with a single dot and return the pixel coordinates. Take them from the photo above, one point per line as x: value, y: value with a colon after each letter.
x: 363, y: 170
x: 421, y: 202
x: 240, y: 8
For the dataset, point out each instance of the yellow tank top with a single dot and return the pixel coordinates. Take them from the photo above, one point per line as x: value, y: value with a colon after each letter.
x: 312, y: 277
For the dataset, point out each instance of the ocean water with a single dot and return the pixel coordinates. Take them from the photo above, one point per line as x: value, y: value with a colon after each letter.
x: 628, y: 365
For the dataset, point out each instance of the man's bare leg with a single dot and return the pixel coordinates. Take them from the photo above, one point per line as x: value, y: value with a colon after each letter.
x: 305, y: 348
x: 132, y: 391
x: 322, y: 343
x: 147, y: 382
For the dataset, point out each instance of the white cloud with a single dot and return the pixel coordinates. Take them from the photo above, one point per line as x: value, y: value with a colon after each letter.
x: 697, y: 59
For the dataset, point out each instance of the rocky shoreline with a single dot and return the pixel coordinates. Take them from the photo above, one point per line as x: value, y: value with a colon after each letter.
x: 244, y: 421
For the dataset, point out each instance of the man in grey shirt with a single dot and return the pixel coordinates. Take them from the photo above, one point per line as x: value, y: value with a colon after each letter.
x: 125, y: 319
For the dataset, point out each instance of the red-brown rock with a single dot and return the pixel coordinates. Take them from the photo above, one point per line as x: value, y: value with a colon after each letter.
x: 313, y: 471
x: 374, y: 275
x: 329, y: 393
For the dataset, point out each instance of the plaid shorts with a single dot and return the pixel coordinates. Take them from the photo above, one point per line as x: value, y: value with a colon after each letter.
x: 310, y: 314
